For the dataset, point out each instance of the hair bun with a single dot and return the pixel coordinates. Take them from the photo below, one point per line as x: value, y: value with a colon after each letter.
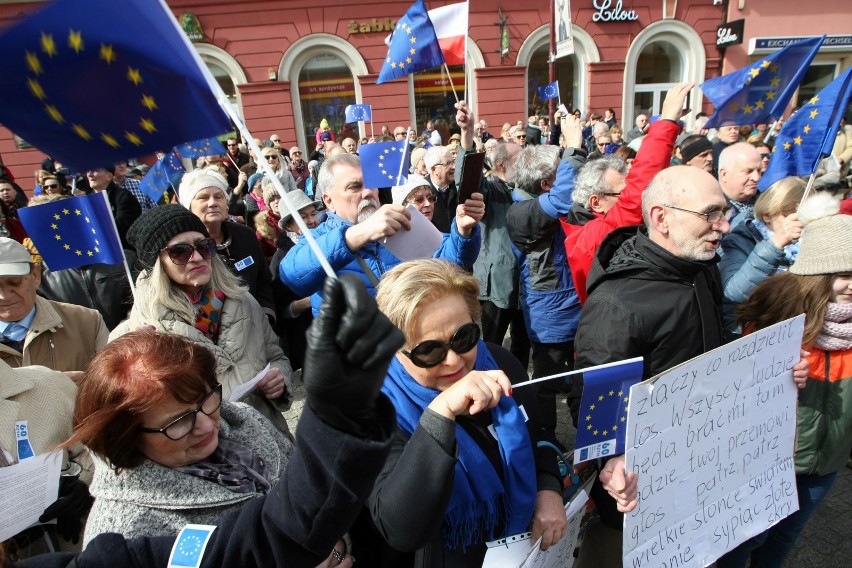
x: 818, y: 206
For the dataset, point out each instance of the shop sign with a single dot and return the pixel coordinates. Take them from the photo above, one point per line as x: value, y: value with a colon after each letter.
x: 192, y: 26
x: 607, y: 12
x: 730, y: 33
x: 386, y: 25
x: 769, y: 44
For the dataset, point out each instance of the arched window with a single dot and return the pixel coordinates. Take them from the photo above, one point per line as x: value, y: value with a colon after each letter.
x: 225, y: 70
x: 660, y: 67
x: 321, y: 69
x: 662, y: 54
x: 538, y: 75
x: 571, y: 71
x: 326, y: 86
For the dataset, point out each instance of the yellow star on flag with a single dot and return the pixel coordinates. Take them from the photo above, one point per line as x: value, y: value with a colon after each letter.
x: 798, y: 140
x: 109, y: 140
x: 36, y: 89
x: 81, y: 132
x: 814, y: 113
x: 147, y: 125
x: 48, y: 45
x: 787, y: 145
x: 148, y: 102
x: 33, y: 63
x: 107, y: 53
x: 54, y: 113
x: 759, y: 104
x: 75, y: 41
x: 807, y: 128
x: 134, y: 76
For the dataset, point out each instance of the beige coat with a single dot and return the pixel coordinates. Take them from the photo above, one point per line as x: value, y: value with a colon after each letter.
x: 246, y: 344
x: 62, y: 337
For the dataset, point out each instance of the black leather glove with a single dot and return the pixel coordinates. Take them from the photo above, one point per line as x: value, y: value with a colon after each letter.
x: 350, y: 345
x: 73, y: 504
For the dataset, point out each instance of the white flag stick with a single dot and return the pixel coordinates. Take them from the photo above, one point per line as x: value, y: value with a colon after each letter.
x: 576, y: 371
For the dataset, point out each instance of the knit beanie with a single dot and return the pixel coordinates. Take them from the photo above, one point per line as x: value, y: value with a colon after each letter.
x: 199, y: 179
x: 323, y: 124
x: 416, y: 155
x: 150, y: 232
x: 253, y: 180
x: 693, y: 145
x: 826, y: 243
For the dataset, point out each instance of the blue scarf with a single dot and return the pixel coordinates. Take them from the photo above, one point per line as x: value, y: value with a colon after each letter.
x: 480, y: 502
x: 791, y: 251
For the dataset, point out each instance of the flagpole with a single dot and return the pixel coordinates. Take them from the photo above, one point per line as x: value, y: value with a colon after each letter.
x: 809, y: 186
x: 450, y: 79
x: 263, y: 165
x: 576, y: 371
x: 404, y: 152
x: 123, y: 256
x: 371, y: 126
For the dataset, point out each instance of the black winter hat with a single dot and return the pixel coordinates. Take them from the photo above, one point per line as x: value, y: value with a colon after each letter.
x: 150, y: 232
x: 693, y: 145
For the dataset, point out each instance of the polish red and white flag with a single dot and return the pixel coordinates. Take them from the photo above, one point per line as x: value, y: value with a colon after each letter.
x: 450, y: 24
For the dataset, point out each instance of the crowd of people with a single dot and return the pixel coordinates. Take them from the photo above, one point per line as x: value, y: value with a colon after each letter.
x: 585, y: 242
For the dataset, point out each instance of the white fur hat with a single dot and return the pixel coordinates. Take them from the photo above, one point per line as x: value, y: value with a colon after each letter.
x: 199, y: 179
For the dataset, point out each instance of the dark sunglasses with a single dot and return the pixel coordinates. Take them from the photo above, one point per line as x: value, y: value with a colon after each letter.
x: 51, y: 186
x: 272, y: 157
x: 182, y: 253
x: 421, y: 198
x: 182, y: 426
x: 431, y: 353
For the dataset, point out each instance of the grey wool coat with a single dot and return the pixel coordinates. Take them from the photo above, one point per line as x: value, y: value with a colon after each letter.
x: 153, y: 499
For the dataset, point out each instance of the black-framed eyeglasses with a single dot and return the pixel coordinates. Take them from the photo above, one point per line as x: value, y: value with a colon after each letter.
x: 711, y: 217
x: 446, y: 164
x: 182, y: 426
x: 431, y: 353
x: 182, y: 253
x: 418, y: 199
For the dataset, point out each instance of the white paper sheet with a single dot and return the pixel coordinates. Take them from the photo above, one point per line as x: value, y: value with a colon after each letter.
x: 712, y: 442
x: 420, y: 242
x: 246, y: 388
x: 26, y: 489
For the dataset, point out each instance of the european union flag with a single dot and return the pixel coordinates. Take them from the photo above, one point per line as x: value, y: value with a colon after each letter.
x: 380, y: 163
x: 809, y: 134
x: 603, y: 410
x: 91, y: 82
x: 359, y: 113
x: 157, y: 180
x: 549, y: 91
x: 413, y: 45
x: 188, y: 549
x: 760, y: 92
x: 73, y: 232
x: 203, y: 147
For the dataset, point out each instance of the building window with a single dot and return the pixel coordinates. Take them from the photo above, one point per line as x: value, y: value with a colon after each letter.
x: 325, y: 88
x: 538, y: 75
x: 660, y: 67
x: 224, y: 79
x: 434, y: 99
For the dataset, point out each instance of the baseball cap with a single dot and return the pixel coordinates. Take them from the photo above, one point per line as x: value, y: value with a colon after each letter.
x: 15, y: 260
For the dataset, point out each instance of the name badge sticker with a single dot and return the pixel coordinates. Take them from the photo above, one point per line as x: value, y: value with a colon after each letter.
x: 244, y: 263
x: 22, y: 436
x: 189, y: 546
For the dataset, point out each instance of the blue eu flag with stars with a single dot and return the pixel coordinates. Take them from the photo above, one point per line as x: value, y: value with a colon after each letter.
x: 760, y: 92
x: 809, y: 134
x: 158, y: 178
x: 413, y: 45
x: 602, y: 423
x: 94, y: 82
x: 203, y: 147
x: 359, y: 113
x: 73, y: 232
x: 549, y: 91
x: 380, y: 163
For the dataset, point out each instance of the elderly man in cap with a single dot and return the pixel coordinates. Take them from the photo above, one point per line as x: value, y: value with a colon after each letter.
x: 696, y: 150
x: 35, y: 331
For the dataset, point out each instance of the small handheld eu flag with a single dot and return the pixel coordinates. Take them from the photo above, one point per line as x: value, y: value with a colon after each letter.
x: 381, y: 162
x: 73, y: 232
x: 549, y: 91
x: 359, y: 113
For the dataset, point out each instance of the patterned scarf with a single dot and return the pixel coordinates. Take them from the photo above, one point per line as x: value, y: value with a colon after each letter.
x: 208, y: 312
x: 836, y: 334
x: 480, y: 502
x: 233, y: 466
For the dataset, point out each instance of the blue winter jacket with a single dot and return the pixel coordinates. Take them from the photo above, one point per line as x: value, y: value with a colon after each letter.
x: 548, y: 299
x: 302, y: 273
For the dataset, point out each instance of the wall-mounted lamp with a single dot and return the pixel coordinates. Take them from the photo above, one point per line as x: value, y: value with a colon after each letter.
x: 272, y: 73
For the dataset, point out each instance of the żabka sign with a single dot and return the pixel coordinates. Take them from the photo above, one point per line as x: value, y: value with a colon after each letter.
x: 616, y: 14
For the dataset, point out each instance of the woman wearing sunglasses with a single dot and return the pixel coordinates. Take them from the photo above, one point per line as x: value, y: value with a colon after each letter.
x: 464, y: 469
x: 185, y: 289
x: 168, y: 449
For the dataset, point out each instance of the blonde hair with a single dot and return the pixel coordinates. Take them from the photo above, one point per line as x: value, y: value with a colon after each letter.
x: 404, y: 293
x: 168, y: 297
x: 783, y: 196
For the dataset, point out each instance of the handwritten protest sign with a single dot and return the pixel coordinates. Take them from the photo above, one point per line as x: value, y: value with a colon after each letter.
x: 712, y: 442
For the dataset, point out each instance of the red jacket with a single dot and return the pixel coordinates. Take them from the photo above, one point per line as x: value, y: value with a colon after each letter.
x: 582, y: 240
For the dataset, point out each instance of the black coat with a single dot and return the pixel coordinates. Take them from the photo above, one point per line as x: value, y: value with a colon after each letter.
x: 125, y: 210
x: 644, y: 301
x: 241, y: 244
x: 295, y: 525
x: 445, y: 207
